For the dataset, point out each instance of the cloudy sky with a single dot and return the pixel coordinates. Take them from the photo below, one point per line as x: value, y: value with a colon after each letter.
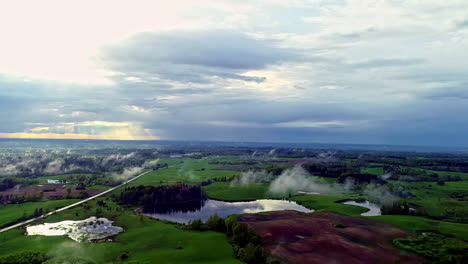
x: 374, y: 71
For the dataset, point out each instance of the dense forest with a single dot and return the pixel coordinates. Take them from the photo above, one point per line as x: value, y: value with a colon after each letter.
x: 163, y: 199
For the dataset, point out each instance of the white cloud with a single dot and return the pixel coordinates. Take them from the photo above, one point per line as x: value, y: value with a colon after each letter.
x: 278, y: 68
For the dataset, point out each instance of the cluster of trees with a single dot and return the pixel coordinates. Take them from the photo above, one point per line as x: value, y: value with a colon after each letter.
x: 156, y: 199
x: 395, y: 207
x: 10, y: 182
x: 233, y: 162
x: 359, y: 178
x: 419, y: 175
x: 38, y: 212
x: 332, y: 170
x: 25, y: 258
x: 219, y: 179
x: 18, y: 199
x: 436, y: 248
x: 246, y: 243
x: 7, y: 183
x: 441, y: 162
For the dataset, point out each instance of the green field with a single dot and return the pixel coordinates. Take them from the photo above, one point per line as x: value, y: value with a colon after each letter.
x: 43, y: 179
x: 143, y: 241
x: 189, y: 171
x: 374, y: 170
x: 434, y: 198
x: 322, y: 203
x: 462, y: 175
x: 416, y: 223
x: 12, y: 212
x: 237, y: 192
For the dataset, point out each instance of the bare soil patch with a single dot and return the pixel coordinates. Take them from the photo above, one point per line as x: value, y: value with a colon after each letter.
x: 327, y: 237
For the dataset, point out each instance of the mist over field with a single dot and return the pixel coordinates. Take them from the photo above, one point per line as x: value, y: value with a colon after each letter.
x: 220, y: 131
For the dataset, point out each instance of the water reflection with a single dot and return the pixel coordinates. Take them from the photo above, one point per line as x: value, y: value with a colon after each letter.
x: 169, y: 208
x: 208, y: 208
x: 374, y: 209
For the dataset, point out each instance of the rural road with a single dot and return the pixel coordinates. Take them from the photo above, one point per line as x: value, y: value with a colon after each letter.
x: 73, y: 205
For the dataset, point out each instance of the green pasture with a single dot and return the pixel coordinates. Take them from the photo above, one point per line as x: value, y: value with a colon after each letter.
x: 12, y: 212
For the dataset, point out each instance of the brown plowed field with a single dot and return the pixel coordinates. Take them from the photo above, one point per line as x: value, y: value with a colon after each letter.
x: 315, y: 238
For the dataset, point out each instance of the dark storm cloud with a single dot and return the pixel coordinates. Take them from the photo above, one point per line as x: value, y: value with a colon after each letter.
x: 194, y: 56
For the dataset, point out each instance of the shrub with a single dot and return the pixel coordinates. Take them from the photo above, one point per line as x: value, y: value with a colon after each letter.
x: 24, y: 258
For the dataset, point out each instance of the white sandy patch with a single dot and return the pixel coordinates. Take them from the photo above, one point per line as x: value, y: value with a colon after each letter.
x: 85, y: 230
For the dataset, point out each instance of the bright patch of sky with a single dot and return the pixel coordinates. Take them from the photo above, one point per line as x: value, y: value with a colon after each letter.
x: 364, y: 71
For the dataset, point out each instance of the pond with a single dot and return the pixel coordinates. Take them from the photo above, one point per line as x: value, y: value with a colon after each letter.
x: 374, y: 209
x: 183, y: 213
x: 91, y: 229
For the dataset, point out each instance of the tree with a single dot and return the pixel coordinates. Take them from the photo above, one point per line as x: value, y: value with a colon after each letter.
x: 253, y: 254
x: 216, y: 223
x: 197, y: 225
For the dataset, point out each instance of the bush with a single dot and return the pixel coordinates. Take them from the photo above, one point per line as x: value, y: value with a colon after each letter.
x: 436, y: 248
x: 215, y: 223
x: 24, y: 258
x: 252, y: 254
x: 197, y: 225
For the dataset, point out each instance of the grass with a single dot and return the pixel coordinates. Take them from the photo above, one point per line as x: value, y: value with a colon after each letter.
x: 144, y: 240
x: 328, y: 203
x: 12, y: 212
x: 434, y: 198
x: 436, y: 248
x: 374, y: 170
x: 462, y: 175
x: 43, y: 179
x: 245, y: 192
x: 419, y: 224
x: 147, y: 240
x: 190, y: 170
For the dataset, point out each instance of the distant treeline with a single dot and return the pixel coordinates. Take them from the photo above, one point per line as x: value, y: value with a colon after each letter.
x: 333, y: 170
x: 450, y: 163
x: 8, y: 183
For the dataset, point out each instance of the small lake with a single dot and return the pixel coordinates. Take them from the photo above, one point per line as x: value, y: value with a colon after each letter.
x: 203, y: 210
x: 374, y: 209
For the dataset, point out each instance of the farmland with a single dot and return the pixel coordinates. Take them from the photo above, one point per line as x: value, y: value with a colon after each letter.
x: 317, y: 185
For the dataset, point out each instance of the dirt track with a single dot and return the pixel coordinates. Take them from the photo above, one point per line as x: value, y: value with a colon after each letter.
x: 327, y: 237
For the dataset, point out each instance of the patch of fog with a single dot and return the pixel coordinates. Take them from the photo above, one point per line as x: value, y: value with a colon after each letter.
x: 53, y: 181
x: 297, y: 179
x: 252, y: 176
x: 126, y: 174
x: 374, y: 209
x: 224, y: 209
x: 85, y: 230
x: 386, y: 176
x: 302, y: 192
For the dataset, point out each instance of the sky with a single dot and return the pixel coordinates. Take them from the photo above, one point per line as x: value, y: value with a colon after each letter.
x: 324, y: 71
